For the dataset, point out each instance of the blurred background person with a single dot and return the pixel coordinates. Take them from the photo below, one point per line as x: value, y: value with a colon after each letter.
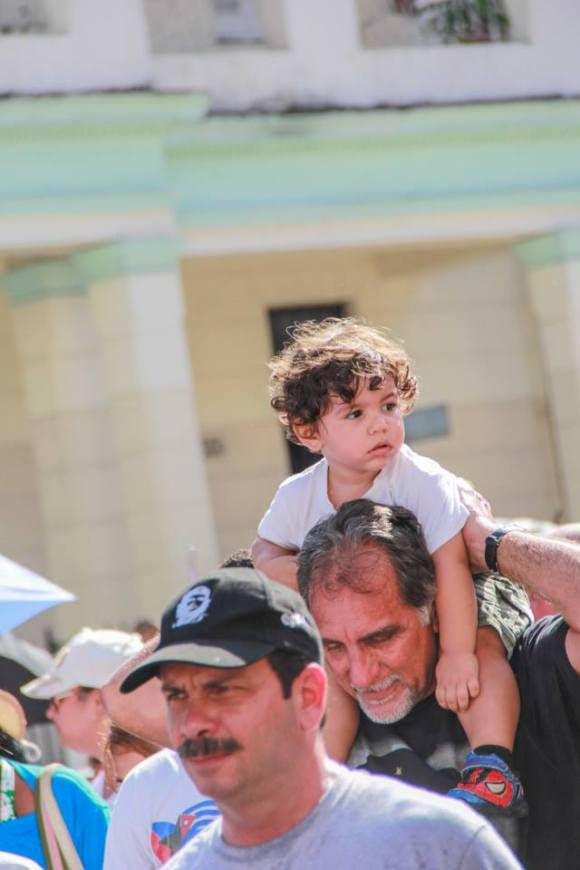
x: 85, y: 814
x: 121, y: 753
x: 73, y: 687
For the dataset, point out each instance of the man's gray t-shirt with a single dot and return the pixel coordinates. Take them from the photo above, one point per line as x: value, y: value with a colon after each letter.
x: 366, y: 821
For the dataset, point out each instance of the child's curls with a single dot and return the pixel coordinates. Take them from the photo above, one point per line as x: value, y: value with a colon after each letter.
x: 330, y: 358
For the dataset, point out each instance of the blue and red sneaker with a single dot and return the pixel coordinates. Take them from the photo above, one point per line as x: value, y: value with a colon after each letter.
x: 490, y: 786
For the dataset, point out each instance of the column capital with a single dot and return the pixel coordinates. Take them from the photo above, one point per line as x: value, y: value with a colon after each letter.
x: 557, y: 247
x: 45, y: 278
x: 127, y: 257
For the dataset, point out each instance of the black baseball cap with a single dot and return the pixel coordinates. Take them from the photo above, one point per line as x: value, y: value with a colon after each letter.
x: 229, y: 619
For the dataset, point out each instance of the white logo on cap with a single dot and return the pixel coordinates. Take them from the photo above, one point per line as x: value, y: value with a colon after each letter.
x: 193, y: 606
x: 293, y: 620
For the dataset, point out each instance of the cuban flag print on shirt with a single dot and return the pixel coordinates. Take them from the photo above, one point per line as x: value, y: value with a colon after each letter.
x: 168, y: 838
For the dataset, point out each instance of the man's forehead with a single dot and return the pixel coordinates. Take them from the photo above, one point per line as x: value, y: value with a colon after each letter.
x: 369, y: 594
x: 365, y: 571
x: 173, y: 673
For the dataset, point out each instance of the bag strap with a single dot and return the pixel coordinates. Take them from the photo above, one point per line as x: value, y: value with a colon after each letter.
x: 59, y: 850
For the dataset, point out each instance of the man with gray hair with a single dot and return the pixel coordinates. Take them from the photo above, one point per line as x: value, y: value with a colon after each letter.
x: 369, y: 582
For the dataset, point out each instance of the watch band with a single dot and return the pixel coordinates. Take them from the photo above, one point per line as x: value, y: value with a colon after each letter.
x: 491, y: 546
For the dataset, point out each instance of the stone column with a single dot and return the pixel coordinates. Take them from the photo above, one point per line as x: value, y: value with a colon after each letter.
x: 76, y: 466
x: 136, y: 300
x: 553, y: 273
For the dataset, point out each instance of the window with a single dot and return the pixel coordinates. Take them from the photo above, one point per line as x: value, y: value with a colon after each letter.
x: 390, y: 23
x: 21, y: 17
x: 236, y: 22
x: 180, y: 26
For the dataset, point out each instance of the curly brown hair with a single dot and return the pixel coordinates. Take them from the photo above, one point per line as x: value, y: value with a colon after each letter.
x: 329, y: 359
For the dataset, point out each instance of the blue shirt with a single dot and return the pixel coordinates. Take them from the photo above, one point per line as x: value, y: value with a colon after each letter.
x: 86, y: 816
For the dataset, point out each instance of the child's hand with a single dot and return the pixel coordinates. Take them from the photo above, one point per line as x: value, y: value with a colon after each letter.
x: 457, y: 677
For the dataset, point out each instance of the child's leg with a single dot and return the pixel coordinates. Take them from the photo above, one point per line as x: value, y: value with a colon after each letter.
x: 488, y: 781
x: 341, y: 721
x: 492, y: 717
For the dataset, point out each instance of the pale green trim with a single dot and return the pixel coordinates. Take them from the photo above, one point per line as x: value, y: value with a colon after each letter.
x: 46, y: 278
x: 493, y: 122
x: 133, y: 256
x: 92, y: 166
x: 558, y: 247
x: 86, y: 157
x: 83, y: 204
x: 190, y: 218
x: 71, y: 276
x: 110, y: 113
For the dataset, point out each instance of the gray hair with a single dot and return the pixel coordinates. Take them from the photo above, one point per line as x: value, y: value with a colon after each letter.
x: 340, y: 551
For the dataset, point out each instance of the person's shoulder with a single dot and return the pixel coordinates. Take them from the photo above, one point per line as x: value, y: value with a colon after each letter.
x: 71, y: 785
x: 305, y: 478
x: 416, y: 463
x: 546, y: 633
x: 372, y: 794
x: 155, y: 769
x: 28, y: 772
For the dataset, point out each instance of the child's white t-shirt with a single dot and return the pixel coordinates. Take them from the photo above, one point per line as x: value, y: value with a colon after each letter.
x: 409, y: 480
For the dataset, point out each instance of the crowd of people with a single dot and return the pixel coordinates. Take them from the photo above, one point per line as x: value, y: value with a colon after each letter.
x: 368, y: 684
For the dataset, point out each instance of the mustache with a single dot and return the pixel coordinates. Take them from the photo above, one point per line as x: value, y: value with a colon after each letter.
x: 196, y: 747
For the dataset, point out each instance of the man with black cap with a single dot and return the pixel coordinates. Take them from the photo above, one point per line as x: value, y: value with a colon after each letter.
x: 240, y: 664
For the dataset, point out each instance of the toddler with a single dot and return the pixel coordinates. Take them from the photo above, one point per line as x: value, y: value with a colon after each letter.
x: 341, y: 388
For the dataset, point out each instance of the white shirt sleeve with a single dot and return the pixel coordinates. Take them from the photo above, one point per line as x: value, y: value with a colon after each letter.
x: 278, y: 523
x: 424, y: 487
x: 299, y: 503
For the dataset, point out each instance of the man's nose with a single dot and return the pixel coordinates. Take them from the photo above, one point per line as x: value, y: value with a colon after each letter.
x: 197, y: 721
x: 363, y: 668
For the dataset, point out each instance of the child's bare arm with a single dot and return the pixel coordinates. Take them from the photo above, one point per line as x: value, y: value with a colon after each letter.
x: 276, y: 562
x: 457, y: 669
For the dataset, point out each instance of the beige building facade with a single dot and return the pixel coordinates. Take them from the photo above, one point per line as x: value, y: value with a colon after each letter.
x: 147, y: 244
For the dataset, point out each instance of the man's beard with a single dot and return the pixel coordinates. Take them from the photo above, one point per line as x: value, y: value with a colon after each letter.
x: 391, y: 713
x: 205, y: 747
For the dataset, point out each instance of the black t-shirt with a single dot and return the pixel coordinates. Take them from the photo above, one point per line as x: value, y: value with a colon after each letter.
x: 547, y: 748
x: 427, y: 748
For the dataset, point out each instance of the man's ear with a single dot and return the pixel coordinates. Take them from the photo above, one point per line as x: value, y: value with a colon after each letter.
x: 309, y: 696
x: 307, y: 434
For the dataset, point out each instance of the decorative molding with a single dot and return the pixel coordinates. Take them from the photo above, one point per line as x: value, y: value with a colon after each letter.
x: 81, y: 154
x: 71, y: 276
x: 80, y: 116
x: 547, y: 250
x: 127, y: 257
x: 45, y: 278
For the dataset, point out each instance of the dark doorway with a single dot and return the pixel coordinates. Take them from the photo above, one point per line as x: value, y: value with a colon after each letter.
x: 280, y: 320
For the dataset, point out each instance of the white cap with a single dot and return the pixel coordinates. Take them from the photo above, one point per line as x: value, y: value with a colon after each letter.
x: 89, y: 659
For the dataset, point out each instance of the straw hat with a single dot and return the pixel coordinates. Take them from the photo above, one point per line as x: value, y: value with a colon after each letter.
x: 12, y: 719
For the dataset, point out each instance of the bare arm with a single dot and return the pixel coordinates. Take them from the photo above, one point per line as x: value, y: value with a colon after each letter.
x: 457, y: 668
x: 276, y: 562
x: 548, y: 567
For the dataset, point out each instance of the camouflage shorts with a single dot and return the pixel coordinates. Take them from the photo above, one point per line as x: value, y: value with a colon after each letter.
x: 504, y: 606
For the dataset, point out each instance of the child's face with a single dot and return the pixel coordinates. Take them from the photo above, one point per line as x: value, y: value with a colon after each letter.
x: 361, y: 436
